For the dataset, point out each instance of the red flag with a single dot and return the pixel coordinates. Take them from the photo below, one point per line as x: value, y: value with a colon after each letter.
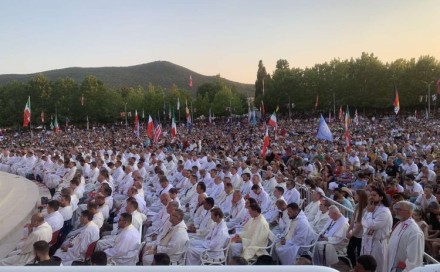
x: 190, y: 81
x: 266, y: 143
x: 347, y: 140
x: 42, y: 117
x: 438, y: 86
x: 263, y: 110
x: 136, y: 123
x: 150, y: 127
x: 316, y: 102
x: 27, y: 113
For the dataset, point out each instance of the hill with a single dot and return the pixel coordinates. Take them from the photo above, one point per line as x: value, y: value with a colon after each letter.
x: 159, y: 73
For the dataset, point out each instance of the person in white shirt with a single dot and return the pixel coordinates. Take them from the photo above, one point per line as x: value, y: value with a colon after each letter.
x: 173, y: 243
x: 427, y: 198
x: 127, y: 243
x: 409, y: 167
x: 291, y: 194
x: 312, y: 209
x: 38, y: 230
x: 430, y: 175
x: 261, y: 197
x: 412, y: 188
x: 332, y: 240
x: 75, y: 248
x: 322, y: 218
x: 214, y: 241
x: 300, y: 234
x: 407, y: 241
x: 65, y: 207
x: 53, y: 216
x: 377, y: 223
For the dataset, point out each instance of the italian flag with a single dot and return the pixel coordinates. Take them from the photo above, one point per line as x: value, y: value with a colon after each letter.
x: 27, y: 113
x: 173, y: 128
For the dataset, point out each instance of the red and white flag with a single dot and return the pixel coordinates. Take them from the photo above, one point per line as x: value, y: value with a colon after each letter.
x: 190, y: 81
x: 56, y: 125
x: 266, y: 143
x: 157, y: 133
x: 27, y: 113
x: 187, y: 115
x: 273, y: 120
x: 136, y: 123
x: 150, y: 127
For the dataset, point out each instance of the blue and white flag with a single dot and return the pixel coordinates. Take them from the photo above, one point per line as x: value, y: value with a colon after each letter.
x: 324, y: 132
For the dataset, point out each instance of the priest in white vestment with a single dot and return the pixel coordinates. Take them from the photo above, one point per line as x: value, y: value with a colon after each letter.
x: 301, y: 234
x: 214, y: 241
x: 24, y: 253
x: 126, y: 247
x: 332, y: 240
x: 246, y: 243
x: 377, y: 223
x: 174, y: 242
x: 407, y: 242
x: 75, y: 249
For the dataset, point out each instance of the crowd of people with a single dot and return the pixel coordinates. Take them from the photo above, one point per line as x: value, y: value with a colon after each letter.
x: 208, y: 196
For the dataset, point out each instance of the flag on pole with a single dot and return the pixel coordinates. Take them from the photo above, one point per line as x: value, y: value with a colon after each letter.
x: 266, y: 143
x: 56, y: 125
x: 157, y: 133
x: 273, y: 120
x: 178, y: 103
x: 150, y: 127
x: 42, y: 117
x: 254, y: 117
x: 136, y: 123
x: 347, y: 118
x: 190, y: 81
x: 82, y: 100
x: 341, y: 114
x: 396, y: 103
x: 324, y: 132
x: 356, y: 117
x: 188, y: 116
x: 27, y: 113
x: 263, y: 110
x: 173, y: 128
x: 438, y: 86
x: 316, y: 102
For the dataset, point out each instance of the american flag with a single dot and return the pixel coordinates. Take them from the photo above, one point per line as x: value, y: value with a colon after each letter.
x: 157, y: 132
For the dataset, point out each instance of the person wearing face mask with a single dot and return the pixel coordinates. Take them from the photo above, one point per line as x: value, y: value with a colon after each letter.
x: 377, y: 223
x: 407, y: 241
x: 300, y: 233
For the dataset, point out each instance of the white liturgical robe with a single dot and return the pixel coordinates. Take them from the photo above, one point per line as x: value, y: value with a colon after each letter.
x: 406, y: 246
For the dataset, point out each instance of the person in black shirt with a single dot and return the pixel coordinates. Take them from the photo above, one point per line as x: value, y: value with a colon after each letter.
x: 42, y: 258
x: 391, y: 168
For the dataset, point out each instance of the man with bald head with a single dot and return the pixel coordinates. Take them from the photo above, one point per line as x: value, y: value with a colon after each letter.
x: 407, y: 242
x: 38, y: 230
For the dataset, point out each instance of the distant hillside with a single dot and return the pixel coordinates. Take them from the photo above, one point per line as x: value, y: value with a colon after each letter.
x: 159, y: 73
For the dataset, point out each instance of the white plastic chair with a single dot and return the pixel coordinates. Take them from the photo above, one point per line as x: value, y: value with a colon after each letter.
x: 179, y: 258
x: 206, y: 259
x: 271, y: 240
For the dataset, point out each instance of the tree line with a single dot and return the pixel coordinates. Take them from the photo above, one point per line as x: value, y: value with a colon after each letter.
x: 76, y: 102
x: 365, y: 83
